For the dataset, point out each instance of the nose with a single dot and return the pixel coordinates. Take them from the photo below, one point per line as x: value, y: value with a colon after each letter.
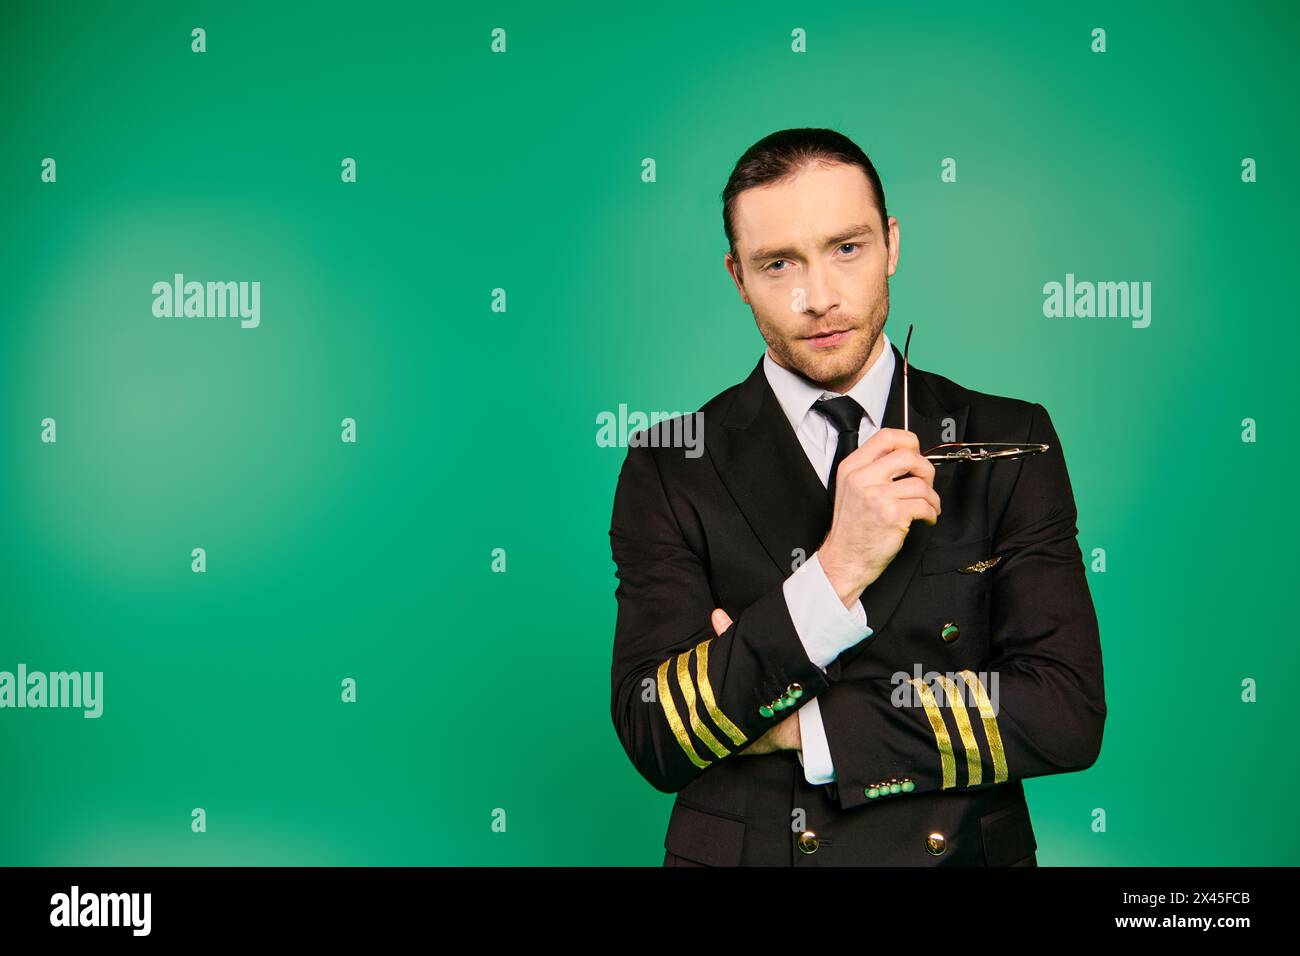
x: 819, y: 293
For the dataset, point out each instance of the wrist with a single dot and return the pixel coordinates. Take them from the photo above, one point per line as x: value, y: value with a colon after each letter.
x: 841, y: 578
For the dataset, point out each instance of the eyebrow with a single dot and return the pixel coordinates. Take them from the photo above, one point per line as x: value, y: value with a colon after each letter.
x: 790, y: 253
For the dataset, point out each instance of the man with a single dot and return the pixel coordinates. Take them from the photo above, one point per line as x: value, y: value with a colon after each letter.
x: 832, y: 650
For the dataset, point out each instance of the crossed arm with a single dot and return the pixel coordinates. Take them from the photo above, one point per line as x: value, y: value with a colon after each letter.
x: 685, y: 697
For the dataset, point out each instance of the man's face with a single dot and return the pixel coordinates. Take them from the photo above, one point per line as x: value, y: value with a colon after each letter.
x: 813, y: 259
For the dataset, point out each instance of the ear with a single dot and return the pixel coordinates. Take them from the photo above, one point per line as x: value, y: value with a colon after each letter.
x: 733, y: 269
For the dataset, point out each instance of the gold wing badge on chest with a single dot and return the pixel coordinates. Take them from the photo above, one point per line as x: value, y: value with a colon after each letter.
x: 979, y: 567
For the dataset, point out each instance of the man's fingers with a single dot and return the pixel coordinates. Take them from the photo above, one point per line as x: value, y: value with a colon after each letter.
x: 884, y: 441
x: 897, y: 464
x: 721, y: 620
x: 917, y: 488
x: 903, y: 462
x: 890, y: 464
x: 921, y: 510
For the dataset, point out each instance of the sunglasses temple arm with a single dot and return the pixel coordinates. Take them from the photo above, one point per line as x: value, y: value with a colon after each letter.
x: 907, y: 346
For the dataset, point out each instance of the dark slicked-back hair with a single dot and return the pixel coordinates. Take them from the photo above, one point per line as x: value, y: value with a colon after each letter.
x: 780, y: 154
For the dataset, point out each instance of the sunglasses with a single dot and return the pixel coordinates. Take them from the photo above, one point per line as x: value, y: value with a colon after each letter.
x: 966, y: 450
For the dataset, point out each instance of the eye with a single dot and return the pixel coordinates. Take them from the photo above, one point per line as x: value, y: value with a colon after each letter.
x: 853, y: 245
x: 768, y: 267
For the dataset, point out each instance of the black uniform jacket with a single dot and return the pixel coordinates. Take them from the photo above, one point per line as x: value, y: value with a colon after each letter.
x: 973, y: 679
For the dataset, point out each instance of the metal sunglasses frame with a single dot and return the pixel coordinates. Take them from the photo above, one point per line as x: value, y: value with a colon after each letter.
x: 956, y: 451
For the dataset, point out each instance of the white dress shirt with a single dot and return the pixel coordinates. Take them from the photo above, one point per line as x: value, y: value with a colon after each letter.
x: 825, y: 626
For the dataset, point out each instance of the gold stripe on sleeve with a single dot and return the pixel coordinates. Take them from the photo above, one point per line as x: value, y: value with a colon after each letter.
x: 946, y: 761
x: 675, y: 721
x: 706, y: 693
x: 990, y: 726
x: 688, y: 692
x: 974, y: 766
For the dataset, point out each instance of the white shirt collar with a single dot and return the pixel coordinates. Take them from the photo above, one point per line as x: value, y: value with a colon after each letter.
x: 797, y: 394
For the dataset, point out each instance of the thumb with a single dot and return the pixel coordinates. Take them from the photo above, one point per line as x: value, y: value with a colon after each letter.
x: 721, y: 620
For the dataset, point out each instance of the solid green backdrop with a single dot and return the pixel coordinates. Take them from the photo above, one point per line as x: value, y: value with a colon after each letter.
x: 482, y: 692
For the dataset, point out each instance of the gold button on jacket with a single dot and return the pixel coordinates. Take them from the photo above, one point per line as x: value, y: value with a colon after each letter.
x: 808, y: 841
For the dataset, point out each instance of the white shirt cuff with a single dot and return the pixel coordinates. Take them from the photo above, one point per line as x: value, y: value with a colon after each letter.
x: 826, y: 628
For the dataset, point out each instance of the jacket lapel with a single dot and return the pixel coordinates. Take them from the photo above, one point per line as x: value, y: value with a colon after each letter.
x: 760, y: 460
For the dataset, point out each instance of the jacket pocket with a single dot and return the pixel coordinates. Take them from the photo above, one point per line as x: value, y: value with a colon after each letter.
x: 696, y: 834
x: 1008, y: 835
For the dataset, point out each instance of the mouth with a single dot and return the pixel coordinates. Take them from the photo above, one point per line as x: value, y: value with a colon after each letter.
x: 829, y: 338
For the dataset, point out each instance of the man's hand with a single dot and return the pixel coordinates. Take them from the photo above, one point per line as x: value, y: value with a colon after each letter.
x: 781, y: 736
x: 873, y: 513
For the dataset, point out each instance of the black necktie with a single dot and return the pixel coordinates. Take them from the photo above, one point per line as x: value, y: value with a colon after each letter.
x: 846, y: 415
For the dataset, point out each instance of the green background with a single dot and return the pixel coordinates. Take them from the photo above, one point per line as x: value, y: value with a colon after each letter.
x: 476, y: 429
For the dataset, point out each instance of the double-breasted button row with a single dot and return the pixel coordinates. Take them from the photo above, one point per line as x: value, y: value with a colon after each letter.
x: 808, y: 842
x: 792, y: 694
